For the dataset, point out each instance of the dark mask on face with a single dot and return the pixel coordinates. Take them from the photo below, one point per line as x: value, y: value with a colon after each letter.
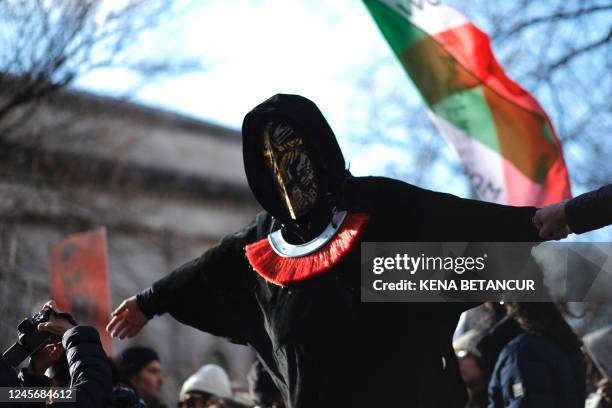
x: 292, y: 167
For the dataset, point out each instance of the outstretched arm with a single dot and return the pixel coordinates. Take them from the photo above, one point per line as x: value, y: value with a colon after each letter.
x: 423, y: 215
x: 212, y: 293
x: 478, y: 221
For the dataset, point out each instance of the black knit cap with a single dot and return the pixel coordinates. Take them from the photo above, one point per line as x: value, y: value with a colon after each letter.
x: 131, y: 360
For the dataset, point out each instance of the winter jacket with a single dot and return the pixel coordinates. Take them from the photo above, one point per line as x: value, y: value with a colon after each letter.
x: 534, y: 372
x: 493, y: 342
x: 8, y: 377
x: 90, y: 372
x: 322, y: 346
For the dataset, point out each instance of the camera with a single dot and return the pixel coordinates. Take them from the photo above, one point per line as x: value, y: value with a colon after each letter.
x: 30, y: 338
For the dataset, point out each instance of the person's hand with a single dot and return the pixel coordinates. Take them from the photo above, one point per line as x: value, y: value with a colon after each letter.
x: 605, y: 386
x: 46, y: 357
x: 56, y: 325
x: 127, y: 319
x: 551, y: 221
x: 50, y: 353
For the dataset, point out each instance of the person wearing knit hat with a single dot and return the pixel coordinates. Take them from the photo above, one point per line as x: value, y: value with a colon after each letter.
x: 209, y: 387
x: 140, y: 368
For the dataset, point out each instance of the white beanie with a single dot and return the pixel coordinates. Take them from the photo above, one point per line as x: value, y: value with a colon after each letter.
x: 211, y: 379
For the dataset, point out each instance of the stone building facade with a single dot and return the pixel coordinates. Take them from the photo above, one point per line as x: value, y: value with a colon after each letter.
x: 166, y: 187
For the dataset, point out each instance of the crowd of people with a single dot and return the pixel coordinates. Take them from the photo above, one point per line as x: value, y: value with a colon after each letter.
x: 516, y: 354
x: 526, y: 355
x: 132, y: 379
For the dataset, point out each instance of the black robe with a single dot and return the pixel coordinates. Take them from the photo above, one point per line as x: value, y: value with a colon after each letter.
x: 322, y: 346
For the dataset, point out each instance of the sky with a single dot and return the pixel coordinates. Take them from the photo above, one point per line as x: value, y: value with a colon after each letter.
x: 253, y: 49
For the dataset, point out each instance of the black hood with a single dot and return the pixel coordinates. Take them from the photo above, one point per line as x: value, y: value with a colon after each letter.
x: 304, y: 115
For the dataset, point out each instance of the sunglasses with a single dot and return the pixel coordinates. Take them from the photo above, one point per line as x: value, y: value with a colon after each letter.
x: 196, y: 401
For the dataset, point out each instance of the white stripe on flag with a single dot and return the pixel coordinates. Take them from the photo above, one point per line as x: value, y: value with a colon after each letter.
x: 429, y: 15
x: 484, y: 166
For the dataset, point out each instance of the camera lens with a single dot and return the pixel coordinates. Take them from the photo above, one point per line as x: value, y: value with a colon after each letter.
x: 25, y: 326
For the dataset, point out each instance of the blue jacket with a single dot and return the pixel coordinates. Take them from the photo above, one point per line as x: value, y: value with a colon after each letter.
x: 532, y: 371
x: 493, y: 342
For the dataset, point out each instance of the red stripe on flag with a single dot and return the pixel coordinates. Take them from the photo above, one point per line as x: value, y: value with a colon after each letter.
x: 472, y: 49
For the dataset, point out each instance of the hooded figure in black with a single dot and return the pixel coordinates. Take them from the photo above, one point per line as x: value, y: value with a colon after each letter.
x: 289, y: 283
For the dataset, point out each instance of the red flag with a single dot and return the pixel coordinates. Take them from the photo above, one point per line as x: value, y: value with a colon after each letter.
x: 79, y: 280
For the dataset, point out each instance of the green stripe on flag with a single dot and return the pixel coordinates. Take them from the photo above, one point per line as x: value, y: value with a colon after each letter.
x: 547, y: 133
x: 468, y: 111
x: 398, y: 34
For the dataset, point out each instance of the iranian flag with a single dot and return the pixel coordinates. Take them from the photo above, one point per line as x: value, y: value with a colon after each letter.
x: 503, y: 136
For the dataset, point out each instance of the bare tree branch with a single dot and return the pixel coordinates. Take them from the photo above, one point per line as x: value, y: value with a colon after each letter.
x: 547, y: 19
x: 46, y: 45
x: 575, y: 52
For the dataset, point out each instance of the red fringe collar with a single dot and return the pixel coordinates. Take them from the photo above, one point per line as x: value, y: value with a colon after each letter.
x: 285, y: 271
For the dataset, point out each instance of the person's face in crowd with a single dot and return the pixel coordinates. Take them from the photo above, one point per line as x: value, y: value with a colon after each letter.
x: 148, y: 381
x: 200, y: 400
